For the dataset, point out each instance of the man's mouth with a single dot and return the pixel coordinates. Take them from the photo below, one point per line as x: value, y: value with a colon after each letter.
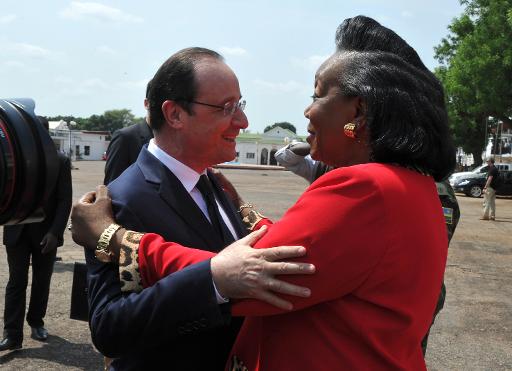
x: 229, y: 139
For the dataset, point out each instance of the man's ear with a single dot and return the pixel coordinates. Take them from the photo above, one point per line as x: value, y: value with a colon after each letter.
x: 173, y: 113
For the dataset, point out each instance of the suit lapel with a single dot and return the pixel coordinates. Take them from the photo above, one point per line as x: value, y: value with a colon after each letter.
x: 228, y: 207
x: 178, y: 199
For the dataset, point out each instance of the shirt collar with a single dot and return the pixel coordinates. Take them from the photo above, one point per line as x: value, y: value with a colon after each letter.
x: 187, y: 176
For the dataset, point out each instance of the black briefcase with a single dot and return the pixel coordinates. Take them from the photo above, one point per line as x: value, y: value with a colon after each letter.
x: 79, y: 304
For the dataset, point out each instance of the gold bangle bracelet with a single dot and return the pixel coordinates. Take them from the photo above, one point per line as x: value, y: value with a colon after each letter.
x: 102, y: 252
x: 245, y: 206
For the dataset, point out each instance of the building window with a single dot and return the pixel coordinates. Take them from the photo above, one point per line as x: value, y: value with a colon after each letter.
x: 87, y: 150
x: 249, y: 155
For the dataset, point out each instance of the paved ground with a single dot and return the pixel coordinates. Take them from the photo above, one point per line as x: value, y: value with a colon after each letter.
x: 473, y: 332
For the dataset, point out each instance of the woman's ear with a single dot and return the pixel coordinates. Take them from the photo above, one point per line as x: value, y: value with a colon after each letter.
x: 360, y: 116
x: 172, y: 113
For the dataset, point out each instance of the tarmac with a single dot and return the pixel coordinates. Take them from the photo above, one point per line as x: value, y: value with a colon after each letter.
x: 472, y: 332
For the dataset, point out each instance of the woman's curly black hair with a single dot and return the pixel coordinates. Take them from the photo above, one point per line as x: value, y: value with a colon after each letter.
x: 405, y: 108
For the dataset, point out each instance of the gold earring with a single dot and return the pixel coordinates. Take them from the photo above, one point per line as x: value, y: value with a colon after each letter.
x: 350, y: 130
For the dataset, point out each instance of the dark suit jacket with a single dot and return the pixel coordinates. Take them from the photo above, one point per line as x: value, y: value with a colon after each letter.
x: 148, y: 197
x: 124, y: 148
x: 56, y: 211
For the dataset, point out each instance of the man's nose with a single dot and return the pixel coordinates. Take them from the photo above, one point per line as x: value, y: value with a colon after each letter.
x: 240, y: 119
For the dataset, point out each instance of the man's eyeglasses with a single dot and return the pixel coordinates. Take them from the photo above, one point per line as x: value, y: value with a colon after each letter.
x: 229, y: 108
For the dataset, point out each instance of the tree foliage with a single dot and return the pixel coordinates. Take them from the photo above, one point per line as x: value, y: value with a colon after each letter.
x: 284, y: 125
x: 476, y: 70
x: 108, y: 121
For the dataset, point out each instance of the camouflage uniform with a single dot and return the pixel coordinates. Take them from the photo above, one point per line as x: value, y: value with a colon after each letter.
x: 451, y: 213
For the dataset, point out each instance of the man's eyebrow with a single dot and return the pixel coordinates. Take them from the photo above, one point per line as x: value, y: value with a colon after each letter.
x: 230, y: 99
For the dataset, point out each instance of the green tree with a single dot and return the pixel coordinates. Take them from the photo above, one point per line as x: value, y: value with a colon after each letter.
x: 110, y: 120
x: 284, y: 125
x: 81, y: 122
x: 476, y: 70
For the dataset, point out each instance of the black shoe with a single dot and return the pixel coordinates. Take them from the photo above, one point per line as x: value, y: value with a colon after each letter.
x: 39, y: 333
x: 9, y: 344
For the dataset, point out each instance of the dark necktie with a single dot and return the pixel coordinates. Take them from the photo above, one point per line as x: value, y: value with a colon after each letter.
x: 204, y: 186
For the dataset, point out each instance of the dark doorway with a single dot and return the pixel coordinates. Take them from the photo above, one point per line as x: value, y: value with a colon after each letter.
x: 264, y: 157
x: 272, y: 157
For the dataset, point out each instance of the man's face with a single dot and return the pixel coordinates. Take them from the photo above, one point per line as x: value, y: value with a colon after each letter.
x: 208, y: 136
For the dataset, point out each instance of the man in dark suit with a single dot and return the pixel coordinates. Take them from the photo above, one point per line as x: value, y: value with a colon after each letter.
x: 126, y: 144
x: 196, y: 114
x: 38, y: 241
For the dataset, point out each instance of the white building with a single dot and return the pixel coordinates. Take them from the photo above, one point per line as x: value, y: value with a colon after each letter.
x: 82, y: 145
x: 255, y: 149
x: 259, y: 149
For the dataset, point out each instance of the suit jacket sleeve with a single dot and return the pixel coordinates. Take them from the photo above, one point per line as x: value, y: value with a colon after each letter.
x: 64, y: 195
x: 118, y: 320
x: 118, y: 156
x: 120, y: 324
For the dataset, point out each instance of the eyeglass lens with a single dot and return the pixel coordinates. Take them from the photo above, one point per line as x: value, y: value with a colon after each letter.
x: 231, y: 107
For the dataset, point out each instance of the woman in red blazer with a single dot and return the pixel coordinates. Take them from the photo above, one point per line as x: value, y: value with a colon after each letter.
x: 373, y: 227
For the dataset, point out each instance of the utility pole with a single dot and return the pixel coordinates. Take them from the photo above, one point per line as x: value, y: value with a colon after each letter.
x: 71, y: 124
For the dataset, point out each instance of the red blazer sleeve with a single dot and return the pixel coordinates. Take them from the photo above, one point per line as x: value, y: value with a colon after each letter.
x: 158, y: 258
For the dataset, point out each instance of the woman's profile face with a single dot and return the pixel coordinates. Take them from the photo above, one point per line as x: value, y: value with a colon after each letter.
x: 328, y: 114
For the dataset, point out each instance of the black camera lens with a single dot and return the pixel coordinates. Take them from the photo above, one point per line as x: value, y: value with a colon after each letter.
x: 28, y: 163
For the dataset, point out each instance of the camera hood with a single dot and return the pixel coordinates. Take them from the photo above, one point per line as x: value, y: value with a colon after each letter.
x: 28, y: 163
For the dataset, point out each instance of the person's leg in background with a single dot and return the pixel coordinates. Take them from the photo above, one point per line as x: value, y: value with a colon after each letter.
x: 42, y: 269
x: 492, y: 203
x: 18, y: 260
x: 486, y: 205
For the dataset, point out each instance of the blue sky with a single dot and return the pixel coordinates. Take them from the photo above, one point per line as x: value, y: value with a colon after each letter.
x: 83, y: 57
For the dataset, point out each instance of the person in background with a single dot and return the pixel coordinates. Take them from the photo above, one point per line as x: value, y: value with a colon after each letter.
x: 295, y: 157
x: 490, y: 191
x: 126, y: 144
x: 35, y: 243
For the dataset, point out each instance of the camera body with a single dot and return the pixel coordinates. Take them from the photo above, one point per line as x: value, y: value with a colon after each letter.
x: 28, y: 163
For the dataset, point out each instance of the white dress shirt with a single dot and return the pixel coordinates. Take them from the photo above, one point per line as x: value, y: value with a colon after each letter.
x: 189, y: 178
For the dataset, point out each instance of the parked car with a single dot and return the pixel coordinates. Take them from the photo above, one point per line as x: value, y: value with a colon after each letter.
x: 482, y: 169
x: 473, y: 185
